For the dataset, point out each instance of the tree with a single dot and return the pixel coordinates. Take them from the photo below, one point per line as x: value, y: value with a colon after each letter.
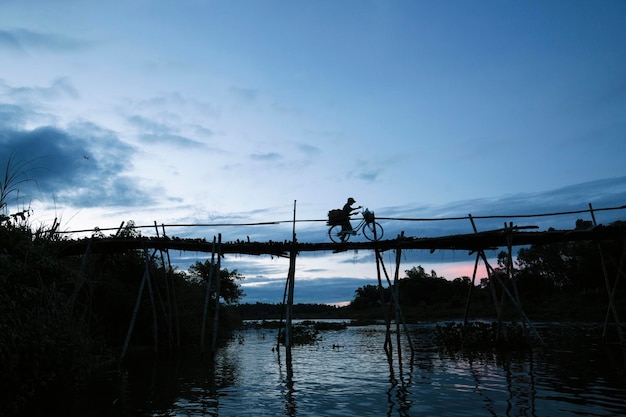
x: 420, y: 287
x: 230, y: 291
x: 367, y: 297
x: 565, y: 266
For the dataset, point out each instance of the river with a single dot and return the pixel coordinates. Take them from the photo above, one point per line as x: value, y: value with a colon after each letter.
x: 346, y: 373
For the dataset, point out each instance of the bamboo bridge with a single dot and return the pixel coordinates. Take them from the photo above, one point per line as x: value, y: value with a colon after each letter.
x: 475, y: 243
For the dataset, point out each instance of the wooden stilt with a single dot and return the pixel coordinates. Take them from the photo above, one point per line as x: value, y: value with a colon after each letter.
x: 381, y: 290
x: 218, y: 280
x: 133, y: 319
x: 207, y: 296
x: 155, y: 327
x: 613, y: 310
x: 610, y: 289
x: 490, y: 272
x: 509, y: 266
x: 471, y: 288
x: 168, y: 299
x: 507, y: 292
x: 289, y: 310
x: 394, y: 289
x: 81, y: 275
x: 290, y: 291
x: 170, y: 278
x: 282, y: 313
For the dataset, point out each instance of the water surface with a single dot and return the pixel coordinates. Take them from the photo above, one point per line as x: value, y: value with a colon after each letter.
x: 347, y: 373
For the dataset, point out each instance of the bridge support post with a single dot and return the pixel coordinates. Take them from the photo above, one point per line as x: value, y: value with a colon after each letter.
x: 207, y: 296
x: 471, y: 288
x: 133, y: 319
x: 291, y: 275
x: 395, y: 304
x: 610, y: 289
x: 383, y: 302
x: 81, y: 274
x: 167, y: 307
x: 493, y: 279
x: 218, y: 274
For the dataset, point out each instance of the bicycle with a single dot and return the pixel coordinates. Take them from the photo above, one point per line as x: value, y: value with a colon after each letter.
x: 372, y: 230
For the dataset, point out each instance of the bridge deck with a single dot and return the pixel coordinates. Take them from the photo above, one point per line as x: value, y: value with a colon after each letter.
x: 468, y: 242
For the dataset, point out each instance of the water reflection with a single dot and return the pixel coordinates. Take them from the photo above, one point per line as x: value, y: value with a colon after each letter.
x: 288, y: 390
x: 347, y: 374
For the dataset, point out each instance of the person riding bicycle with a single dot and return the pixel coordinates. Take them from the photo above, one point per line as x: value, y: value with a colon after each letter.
x: 347, y: 211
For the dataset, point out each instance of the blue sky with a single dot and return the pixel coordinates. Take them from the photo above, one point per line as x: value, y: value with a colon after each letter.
x: 229, y: 111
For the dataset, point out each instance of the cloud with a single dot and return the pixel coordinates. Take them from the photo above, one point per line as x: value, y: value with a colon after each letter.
x: 183, y: 104
x: 369, y: 175
x: 84, y: 166
x: 12, y: 116
x: 431, y: 220
x: 309, y: 150
x: 147, y: 124
x: 244, y: 94
x: 171, y: 140
x: 268, y: 157
x: 61, y: 87
x: 24, y: 40
x: 162, y: 133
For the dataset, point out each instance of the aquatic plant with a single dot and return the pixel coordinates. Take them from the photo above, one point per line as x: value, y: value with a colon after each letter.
x: 301, y: 335
x: 479, y: 336
x: 325, y: 326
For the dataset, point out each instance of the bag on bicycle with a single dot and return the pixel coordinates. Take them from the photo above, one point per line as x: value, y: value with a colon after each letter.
x: 336, y: 216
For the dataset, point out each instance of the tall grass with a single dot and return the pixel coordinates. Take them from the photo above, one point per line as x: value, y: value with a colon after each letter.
x: 15, y: 174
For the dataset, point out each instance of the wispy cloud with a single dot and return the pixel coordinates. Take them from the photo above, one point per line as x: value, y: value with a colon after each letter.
x: 171, y: 140
x: 61, y: 87
x: 368, y: 175
x: 267, y: 157
x: 245, y: 94
x: 25, y: 40
x: 309, y: 150
x: 156, y: 132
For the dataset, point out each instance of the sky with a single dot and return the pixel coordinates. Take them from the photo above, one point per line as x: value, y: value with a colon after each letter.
x: 238, y: 112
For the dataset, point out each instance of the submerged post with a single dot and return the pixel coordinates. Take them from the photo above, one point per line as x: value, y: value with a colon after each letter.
x: 290, y: 288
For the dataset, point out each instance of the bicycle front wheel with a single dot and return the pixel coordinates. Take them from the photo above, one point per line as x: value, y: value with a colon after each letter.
x: 336, y: 232
x: 372, y: 231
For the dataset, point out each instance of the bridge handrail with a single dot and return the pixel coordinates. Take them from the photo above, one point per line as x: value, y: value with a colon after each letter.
x: 408, y: 219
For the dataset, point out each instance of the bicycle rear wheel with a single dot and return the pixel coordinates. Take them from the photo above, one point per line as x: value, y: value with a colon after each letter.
x: 336, y: 232
x: 373, y: 231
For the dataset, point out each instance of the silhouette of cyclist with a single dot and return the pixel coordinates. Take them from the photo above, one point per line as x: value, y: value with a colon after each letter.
x: 348, y: 210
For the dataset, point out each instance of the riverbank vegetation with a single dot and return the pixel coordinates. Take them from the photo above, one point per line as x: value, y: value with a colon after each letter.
x: 65, y: 321
x: 557, y: 281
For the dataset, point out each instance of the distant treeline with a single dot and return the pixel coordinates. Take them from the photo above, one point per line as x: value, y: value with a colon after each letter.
x: 265, y: 311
